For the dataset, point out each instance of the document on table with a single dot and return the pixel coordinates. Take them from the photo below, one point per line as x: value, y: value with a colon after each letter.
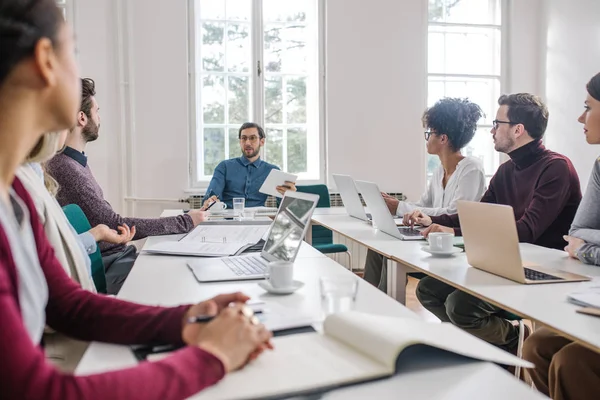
x: 200, y: 249
x: 226, y: 234
x: 588, y: 295
x: 274, y: 179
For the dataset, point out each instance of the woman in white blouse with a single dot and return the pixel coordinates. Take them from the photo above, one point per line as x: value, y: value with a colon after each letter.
x: 450, y: 125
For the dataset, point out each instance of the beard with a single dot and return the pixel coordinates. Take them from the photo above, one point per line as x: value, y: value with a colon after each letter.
x: 90, y: 131
x: 254, y: 153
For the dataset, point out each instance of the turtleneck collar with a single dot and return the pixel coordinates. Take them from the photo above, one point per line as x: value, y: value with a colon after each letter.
x: 526, y: 155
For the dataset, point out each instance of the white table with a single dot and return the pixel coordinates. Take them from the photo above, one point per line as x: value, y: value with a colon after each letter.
x: 165, y: 280
x: 545, y: 303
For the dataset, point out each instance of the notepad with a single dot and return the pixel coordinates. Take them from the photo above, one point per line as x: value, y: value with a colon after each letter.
x: 274, y: 179
x: 354, y: 347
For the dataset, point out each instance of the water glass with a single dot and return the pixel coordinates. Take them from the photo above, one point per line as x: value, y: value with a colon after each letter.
x: 338, y: 294
x: 248, y: 214
x: 238, y: 206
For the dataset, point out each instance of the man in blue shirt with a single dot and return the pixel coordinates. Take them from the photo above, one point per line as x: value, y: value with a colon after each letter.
x: 243, y: 176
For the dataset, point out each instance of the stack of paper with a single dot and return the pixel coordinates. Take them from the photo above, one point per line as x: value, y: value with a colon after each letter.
x: 588, y: 296
x: 213, y: 241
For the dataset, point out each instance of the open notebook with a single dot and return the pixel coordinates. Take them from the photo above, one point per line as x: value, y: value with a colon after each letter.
x: 354, y: 347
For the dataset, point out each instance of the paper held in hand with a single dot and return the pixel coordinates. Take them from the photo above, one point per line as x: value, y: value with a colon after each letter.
x: 274, y: 179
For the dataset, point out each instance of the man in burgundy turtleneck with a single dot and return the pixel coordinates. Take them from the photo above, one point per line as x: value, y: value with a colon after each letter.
x: 543, y: 189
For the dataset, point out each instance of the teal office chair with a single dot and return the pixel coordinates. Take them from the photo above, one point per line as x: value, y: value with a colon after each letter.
x: 322, y: 238
x: 81, y: 224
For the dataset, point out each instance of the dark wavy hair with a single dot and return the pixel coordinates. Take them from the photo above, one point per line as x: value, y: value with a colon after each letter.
x: 455, y: 118
x: 593, y: 87
x: 22, y: 24
x: 527, y: 109
x: 88, y: 90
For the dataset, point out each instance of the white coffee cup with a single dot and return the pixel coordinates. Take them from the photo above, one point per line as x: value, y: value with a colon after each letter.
x: 441, y: 241
x: 218, y: 206
x: 281, y: 274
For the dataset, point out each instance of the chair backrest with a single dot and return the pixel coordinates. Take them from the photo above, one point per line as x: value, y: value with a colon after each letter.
x: 80, y: 223
x: 320, y: 235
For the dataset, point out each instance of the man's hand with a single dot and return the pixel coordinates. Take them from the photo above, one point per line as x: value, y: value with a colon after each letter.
x: 391, y: 202
x: 573, y: 244
x: 208, y: 202
x: 103, y: 233
x: 416, y: 218
x: 287, y: 186
x: 198, y: 216
x: 436, y: 228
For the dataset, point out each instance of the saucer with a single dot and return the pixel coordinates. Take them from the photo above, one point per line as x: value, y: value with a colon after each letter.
x: 436, y: 253
x: 288, y: 290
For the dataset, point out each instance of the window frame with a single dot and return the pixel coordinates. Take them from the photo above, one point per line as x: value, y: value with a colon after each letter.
x: 195, y: 156
x: 502, y: 78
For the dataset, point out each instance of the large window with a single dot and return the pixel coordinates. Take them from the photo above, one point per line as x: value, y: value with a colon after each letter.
x: 465, y: 61
x: 257, y: 60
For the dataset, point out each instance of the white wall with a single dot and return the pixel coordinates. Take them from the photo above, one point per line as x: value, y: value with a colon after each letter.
x: 375, y: 91
x: 573, y: 54
x: 376, y: 71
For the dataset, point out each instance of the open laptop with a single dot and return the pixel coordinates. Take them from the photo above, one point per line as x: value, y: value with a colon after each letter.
x: 492, y: 245
x: 381, y: 214
x: 347, y: 188
x: 282, y: 244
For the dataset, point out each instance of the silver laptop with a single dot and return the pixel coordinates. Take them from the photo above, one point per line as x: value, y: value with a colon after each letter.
x: 492, y: 245
x: 282, y: 244
x: 347, y: 188
x: 381, y: 214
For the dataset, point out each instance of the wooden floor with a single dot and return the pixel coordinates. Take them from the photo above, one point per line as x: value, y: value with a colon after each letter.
x: 413, y: 303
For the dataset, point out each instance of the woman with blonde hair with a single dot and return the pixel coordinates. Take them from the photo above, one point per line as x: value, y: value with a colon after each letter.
x: 70, y: 249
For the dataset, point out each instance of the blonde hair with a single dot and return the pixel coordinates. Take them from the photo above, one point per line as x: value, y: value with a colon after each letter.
x: 46, y: 148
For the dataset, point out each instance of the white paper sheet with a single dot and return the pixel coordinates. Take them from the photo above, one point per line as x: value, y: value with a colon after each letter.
x: 226, y: 234
x: 274, y: 179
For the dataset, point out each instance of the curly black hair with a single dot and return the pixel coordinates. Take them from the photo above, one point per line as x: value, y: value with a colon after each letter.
x: 455, y: 118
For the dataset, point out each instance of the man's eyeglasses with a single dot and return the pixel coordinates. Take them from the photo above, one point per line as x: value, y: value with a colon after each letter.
x: 496, y: 123
x: 428, y: 134
x: 251, y: 139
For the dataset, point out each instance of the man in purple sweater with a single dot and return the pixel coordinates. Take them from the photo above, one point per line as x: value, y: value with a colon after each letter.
x: 543, y: 189
x: 78, y: 186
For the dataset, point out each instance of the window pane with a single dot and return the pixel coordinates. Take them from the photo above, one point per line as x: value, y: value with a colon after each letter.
x: 296, y: 100
x: 238, y: 99
x: 433, y: 162
x: 465, y: 11
x: 273, y: 100
x: 274, y: 147
x: 239, y: 10
x: 214, y: 148
x: 212, y: 48
x: 234, y: 143
x: 213, y: 99
x: 212, y: 9
x: 285, y: 11
x: 285, y: 48
x: 296, y: 150
x: 464, y: 50
x: 238, y: 47
x: 482, y: 147
x: 483, y: 92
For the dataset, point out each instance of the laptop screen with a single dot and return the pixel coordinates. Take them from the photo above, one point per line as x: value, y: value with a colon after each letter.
x: 287, y: 231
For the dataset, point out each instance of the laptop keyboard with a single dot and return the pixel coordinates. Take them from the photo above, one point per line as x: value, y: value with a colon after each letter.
x: 246, y: 266
x: 534, y: 275
x: 406, y: 231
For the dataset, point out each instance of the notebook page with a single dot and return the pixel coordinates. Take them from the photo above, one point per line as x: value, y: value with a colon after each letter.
x: 226, y: 234
x: 383, y: 338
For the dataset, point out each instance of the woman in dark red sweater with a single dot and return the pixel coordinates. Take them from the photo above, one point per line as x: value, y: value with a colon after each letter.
x: 39, y: 92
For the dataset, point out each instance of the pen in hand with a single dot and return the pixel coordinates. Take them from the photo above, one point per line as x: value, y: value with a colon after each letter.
x: 200, y: 319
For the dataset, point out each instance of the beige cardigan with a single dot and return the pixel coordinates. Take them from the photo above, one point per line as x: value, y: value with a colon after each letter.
x: 62, y: 351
